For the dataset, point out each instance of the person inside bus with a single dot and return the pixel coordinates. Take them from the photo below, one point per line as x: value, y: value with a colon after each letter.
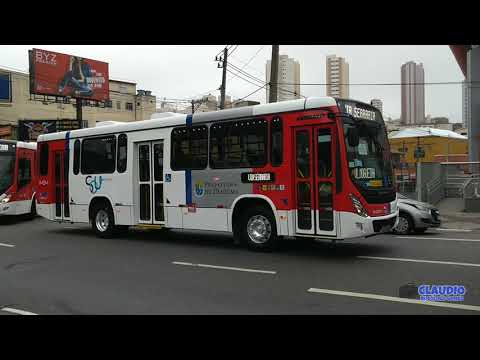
x: 76, y: 78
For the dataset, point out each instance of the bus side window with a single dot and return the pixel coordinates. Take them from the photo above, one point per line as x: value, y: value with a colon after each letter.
x: 276, y: 142
x: 43, y: 163
x: 98, y: 155
x: 76, y: 157
x: 189, y: 148
x: 24, y: 172
x: 122, y: 153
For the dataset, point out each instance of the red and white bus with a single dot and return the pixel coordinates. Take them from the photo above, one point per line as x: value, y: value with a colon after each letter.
x: 17, y: 177
x: 315, y: 167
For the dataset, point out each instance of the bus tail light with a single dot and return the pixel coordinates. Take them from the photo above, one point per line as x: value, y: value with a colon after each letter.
x: 358, y: 206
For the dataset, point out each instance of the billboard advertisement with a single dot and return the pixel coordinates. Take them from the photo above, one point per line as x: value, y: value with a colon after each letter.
x: 29, y: 130
x: 56, y: 74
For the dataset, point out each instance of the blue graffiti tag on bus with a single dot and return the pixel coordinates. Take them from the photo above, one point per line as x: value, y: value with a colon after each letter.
x: 94, y: 183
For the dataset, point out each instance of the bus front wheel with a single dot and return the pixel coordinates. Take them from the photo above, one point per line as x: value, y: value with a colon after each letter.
x: 103, y: 222
x: 258, y: 229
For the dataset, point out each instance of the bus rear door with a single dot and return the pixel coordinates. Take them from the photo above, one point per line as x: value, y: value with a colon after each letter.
x: 25, y: 178
x: 315, y: 180
x: 62, y: 197
x: 150, y: 182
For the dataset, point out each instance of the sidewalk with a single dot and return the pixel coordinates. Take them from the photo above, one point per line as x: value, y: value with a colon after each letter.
x: 453, y: 216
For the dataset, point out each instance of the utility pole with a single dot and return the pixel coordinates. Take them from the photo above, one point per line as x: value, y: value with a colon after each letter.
x: 274, y: 74
x: 224, y: 78
x: 79, y: 112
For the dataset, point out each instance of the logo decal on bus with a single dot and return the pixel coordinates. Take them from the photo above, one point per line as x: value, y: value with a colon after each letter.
x: 199, y: 188
x: 94, y: 183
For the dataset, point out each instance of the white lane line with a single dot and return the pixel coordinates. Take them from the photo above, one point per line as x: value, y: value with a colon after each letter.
x: 17, y: 311
x: 7, y: 245
x: 455, y: 230
x: 395, y: 299
x: 224, y: 267
x: 418, y: 260
x: 436, y: 238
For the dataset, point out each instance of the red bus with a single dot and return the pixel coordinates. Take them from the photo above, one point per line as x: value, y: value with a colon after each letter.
x: 315, y: 167
x: 17, y: 177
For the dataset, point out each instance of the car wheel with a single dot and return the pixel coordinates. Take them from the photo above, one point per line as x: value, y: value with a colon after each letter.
x: 259, y: 230
x: 404, y: 226
x: 103, y: 222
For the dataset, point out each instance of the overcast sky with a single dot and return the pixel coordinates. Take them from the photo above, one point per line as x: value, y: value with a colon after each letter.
x: 186, y: 71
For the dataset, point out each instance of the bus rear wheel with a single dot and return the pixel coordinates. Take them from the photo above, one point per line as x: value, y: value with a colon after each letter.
x: 258, y: 229
x: 103, y: 222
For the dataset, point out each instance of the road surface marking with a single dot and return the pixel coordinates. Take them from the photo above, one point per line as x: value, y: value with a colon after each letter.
x: 436, y: 238
x: 7, y: 245
x: 395, y: 299
x: 17, y: 311
x: 418, y: 260
x: 445, y: 229
x: 224, y: 267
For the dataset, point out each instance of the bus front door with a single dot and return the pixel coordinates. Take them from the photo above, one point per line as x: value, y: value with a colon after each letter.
x: 150, y: 181
x: 315, y: 180
x: 62, y: 206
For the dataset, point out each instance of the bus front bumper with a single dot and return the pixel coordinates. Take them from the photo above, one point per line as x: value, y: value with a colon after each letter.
x: 9, y: 208
x: 356, y: 226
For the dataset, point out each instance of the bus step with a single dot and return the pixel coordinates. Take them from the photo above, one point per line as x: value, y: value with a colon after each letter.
x: 149, y: 226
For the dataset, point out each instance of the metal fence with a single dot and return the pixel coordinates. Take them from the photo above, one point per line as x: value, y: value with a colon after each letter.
x: 458, y: 175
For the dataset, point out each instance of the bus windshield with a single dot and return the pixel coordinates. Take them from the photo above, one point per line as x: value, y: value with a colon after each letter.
x: 369, y: 162
x: 7, y: 167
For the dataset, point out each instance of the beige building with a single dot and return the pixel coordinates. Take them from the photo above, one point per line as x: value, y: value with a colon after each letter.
x: 413, y: 93
x: 337, y: 77
x: 126, y: 104
x: 288, y: 78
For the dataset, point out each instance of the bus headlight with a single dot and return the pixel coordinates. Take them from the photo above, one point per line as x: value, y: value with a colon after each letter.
x: 358, y: 206
x: 4, y: 199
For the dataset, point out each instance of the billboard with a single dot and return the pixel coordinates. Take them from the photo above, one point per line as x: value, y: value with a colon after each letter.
x: 56, y: 74
x: 29, y: 130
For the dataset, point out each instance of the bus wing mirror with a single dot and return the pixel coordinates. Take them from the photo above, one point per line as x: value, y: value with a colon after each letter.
x: 353, y: 137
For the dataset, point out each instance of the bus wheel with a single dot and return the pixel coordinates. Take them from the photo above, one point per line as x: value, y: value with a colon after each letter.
x: 258, y: 229
x: 103, y: 222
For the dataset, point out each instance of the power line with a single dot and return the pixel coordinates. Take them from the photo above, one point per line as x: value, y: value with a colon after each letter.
x: 250, y: 60
x: 285, y: 91
x: 230, y: 54
x: 384, y: 84
x: 263, y: 82
x: 260, y: 88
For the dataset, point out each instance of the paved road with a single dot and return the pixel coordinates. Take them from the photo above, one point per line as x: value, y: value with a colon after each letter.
x: 50, y: 268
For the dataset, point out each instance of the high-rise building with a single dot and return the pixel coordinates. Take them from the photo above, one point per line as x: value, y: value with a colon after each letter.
x: 465, y: 104
x: 413, y: 93
x: 337, y: 77
x: 288, y: 78
x: 378, y: 104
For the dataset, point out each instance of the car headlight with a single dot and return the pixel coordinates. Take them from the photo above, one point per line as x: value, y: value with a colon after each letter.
x: 358, y: 206
x: 4, y: 199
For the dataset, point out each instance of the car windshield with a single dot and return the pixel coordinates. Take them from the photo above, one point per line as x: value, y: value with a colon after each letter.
x: 7, y: 166
x: 369, y: 162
